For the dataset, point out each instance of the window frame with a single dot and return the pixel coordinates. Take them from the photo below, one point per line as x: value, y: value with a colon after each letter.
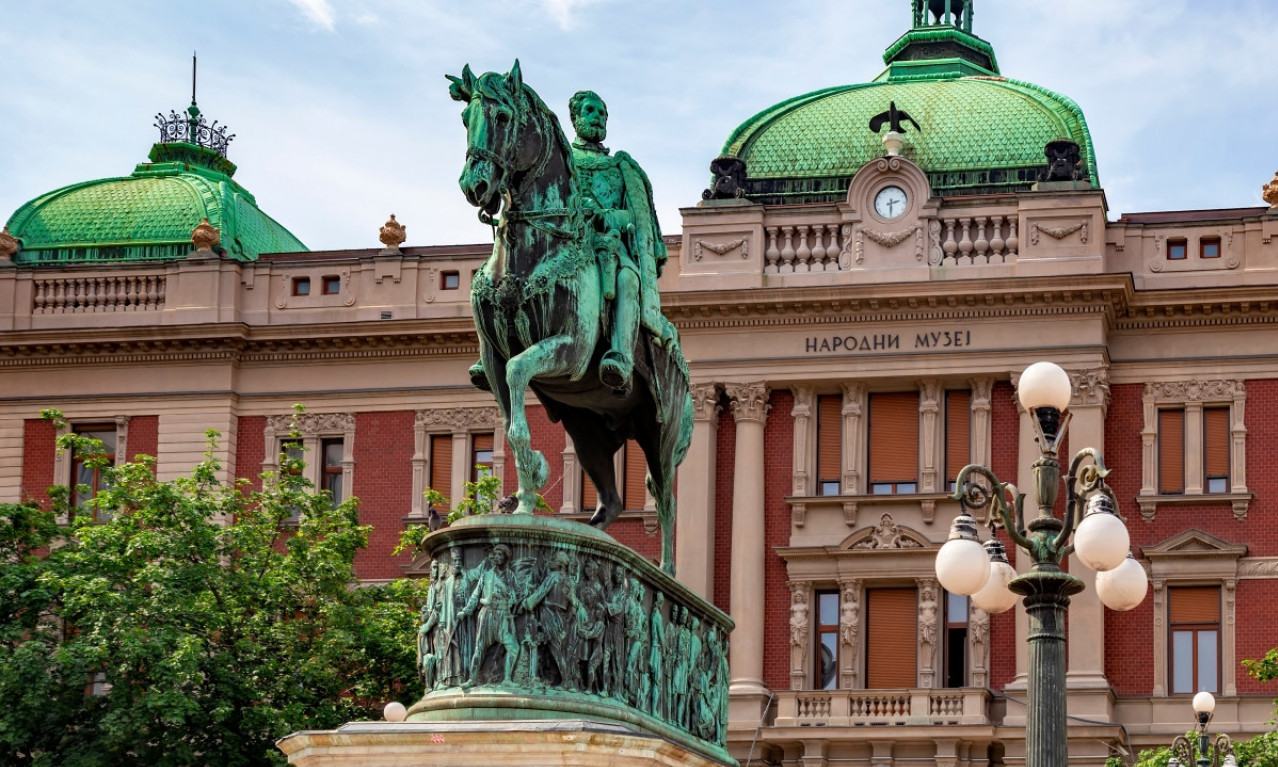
x: 328, y: 280
x: 301, y: 286
x: 96, y: 486
x: 1178, y: 242
x: 446, y: 276
x: 1204, y: 241
x: 313, y: 430
x: 63, y: 463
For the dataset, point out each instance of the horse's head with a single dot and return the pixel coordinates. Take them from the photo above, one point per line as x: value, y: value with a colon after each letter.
x: 505, y: 129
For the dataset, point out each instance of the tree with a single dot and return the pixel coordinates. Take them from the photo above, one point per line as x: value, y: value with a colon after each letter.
x: 194, y: 626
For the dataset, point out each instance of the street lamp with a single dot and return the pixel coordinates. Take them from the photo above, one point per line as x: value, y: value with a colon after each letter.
x: 1208, y: 754
x: 965, y: 567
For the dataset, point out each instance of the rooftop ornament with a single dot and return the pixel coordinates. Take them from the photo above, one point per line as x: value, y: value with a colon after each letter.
x: 194, y: 128
x: 1270, y: 192
x: 392, y: 235
x: 8, y: 245
x: 895, y: 138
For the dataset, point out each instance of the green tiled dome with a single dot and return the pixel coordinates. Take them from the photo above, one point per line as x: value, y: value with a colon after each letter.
x: 148, y: 215
x: 981, y: 133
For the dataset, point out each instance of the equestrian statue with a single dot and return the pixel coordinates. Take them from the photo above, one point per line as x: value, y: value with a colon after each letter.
x: 567, y: 304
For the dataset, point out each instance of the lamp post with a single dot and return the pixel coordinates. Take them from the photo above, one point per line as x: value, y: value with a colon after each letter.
x: 964, y: 566
x: 1218, y: 754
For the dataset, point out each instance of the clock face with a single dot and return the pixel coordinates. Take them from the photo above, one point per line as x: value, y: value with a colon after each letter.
x: 890, y: 202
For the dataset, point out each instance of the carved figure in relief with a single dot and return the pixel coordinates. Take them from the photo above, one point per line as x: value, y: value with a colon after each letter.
x: 494, y: 597
x: 799, y: 616
x: 849, y: 617
x: 681, y: 658
x: 637, y: 683
x: 459, y: 632
x: 928, y: 615
x: 615, y: 634
x: 656, y: 658
x: 590, y: 626
x: 556, y: 597
x: 696, y: 673
x: 428, y: 633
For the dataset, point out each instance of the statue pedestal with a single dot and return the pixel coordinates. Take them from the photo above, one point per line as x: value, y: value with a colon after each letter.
x: 518, y: 743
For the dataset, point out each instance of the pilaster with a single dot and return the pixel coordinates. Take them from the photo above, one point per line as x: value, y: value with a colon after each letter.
x: 695, y: 508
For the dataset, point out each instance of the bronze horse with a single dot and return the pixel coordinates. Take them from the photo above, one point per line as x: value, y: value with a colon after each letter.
x: 540, y: 311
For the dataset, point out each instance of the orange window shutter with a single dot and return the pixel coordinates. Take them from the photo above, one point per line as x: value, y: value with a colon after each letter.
x: 589, y: 496
x: 441, y: 463
x: 1196, y: 604
x: 636, y: 470
x: 958, y: 432
x: 829, y: 438
x: 1171, y: 451
x: 894, y: 437
x: 483, y: 442
x: 1216, y: 441
x: 891, y: 638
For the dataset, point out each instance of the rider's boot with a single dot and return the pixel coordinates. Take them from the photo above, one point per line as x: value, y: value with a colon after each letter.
x: 617, y: 367
x: 478, y: 377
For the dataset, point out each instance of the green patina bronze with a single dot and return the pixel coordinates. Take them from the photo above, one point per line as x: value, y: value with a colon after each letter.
x: 567, y: 304
x: 982, y: 133
x: 533, y: 617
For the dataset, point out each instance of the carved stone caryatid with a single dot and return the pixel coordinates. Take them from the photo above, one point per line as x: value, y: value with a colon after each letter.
x: 8, y: 245
x: 929, y: 618
x: 850, y: 630
x: 800, y: 623
x: 392, y: 235
x: 887, y: 535
x: 804, y: 439
x: 1270, y: 192
x: 853, y: 438
x: 1091, y: 388
x: 930, y: 393
x: 978, y: 635
x: 205, y: 237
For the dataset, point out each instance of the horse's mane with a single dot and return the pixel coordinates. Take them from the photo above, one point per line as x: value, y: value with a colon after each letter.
x: 498, y: 88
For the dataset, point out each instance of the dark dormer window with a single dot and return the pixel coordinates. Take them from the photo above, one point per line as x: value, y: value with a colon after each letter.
x: 450, y: 280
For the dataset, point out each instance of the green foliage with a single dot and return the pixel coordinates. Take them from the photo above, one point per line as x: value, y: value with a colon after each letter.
x: 195, y: 626
x: 1264, y: 669
x: 480, y: 497
x: 1260, y: 751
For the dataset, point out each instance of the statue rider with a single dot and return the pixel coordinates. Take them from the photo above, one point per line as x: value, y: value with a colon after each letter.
x: 627, y: 238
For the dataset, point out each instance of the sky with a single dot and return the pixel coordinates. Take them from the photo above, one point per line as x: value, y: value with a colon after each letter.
x: 342, y: 116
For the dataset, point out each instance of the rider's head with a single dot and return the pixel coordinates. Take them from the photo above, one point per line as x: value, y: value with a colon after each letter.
x: 589, y: 116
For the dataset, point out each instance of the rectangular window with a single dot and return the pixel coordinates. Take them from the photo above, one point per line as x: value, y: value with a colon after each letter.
x: 449, y: 280
x: 891, y: 626
x: 1209, y: 247
x: 589, y: 496
x: 827, y: 640
x: 1177, y: 250
x: 894, y: 443
x: 332, y: 285
x: 1195, y: 638
x: 292, y: 461
x: 958, y: 434
x: 829, y: 443
x: 301, y: 286
x: 92, y: 476
x: 633, y: 494
x: 1216, y: 449
x: 441, y: 465
x: 955, y: 640
x: 481, y: 456
x: 1171, y: 451
x: 333, y: 450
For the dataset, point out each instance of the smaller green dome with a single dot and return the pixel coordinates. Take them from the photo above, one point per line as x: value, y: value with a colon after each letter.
x: 149, y: 215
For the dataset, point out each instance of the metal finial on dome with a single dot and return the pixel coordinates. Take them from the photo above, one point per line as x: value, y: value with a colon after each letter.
x: 950, y: 13
x: 193, y: 129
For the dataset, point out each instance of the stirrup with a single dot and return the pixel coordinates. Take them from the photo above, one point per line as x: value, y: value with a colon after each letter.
x: 479, y: 377
x: 616, y: 371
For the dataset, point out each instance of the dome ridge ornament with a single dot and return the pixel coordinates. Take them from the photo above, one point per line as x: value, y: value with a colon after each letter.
x: 195, y: 128
x: 392, y: 234
x: 205, y: 237
x: 8, y: 245
x: 1270, y: 192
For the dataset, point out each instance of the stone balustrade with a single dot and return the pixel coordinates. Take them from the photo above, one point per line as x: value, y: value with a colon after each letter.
x: 98, y: 293
x: 846, y: 708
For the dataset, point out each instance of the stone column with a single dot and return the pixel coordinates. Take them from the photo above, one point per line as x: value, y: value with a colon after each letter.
x: 572, y: 479
x: 695, y: 508
x: 1085, y: 680
x: 461, y: 465
x: 748, y: 692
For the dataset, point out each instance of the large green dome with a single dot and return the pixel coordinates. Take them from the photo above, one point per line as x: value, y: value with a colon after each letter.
x: 149, y: 215
x: 981, y: 133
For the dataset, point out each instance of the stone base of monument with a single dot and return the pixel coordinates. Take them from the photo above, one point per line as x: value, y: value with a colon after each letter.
x: 541, y: 632
x: 576, y: 742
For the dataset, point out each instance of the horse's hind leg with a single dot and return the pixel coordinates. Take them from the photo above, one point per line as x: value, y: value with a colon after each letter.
x: 596, y: 445
x: 552, y: 357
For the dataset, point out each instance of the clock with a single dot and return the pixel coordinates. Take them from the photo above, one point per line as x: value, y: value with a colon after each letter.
x: 890, y: 202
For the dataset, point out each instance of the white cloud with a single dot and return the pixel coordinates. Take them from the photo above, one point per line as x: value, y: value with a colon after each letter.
x: 562, y: 10
x: 318, y: 12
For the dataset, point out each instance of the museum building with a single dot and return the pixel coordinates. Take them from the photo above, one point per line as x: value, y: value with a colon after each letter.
x: 856, y: 309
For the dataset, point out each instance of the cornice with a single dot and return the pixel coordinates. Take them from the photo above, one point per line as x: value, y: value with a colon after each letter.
x: 1201, y: 308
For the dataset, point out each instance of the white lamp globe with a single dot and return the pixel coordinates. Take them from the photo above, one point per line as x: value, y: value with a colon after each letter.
x: 994, y: 597
x: 962, y: 566
x: 1124, y: 587
x: 395, y: 712
x: 1044, y: 384
x: 1204, y: 703
x: 1101, y: 541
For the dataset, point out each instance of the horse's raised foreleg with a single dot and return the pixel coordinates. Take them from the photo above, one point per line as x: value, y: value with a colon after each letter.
x: 552, y: 357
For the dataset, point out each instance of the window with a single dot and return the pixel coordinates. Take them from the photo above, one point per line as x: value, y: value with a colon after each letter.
x: 333, y: 450
x: 1177, y: 250
x: 1216, y: 449
x: 958, y: 434
x: 955, y: 648
x: 829, y: 443
x: 891, y: 625
x: 450, y: 280
x: 481, y: 456
x: 332, y: 285
x: 441, y: 465
x: 894, y: 443
x: 1194, y: 622
x: 91, y: 476
x: 827, y: 640
x: 1171, y: 451
x: 291, y: 454
x: 1209, y: 247
x: 301, y: 286
x: 589, y: 496
x: 633, y: 492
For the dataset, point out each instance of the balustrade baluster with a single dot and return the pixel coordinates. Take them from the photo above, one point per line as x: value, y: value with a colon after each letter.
x: 965, y: 243
x: 787, y: 252
x: 818, y: 250
x: 772, y: 254
x: 982, y: 245
x: 996, y: 242
x: 951, y: 246
x: 152, y: 292
x: 803, y: 256
x: 1013, y: 244
x: 160, y: 294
